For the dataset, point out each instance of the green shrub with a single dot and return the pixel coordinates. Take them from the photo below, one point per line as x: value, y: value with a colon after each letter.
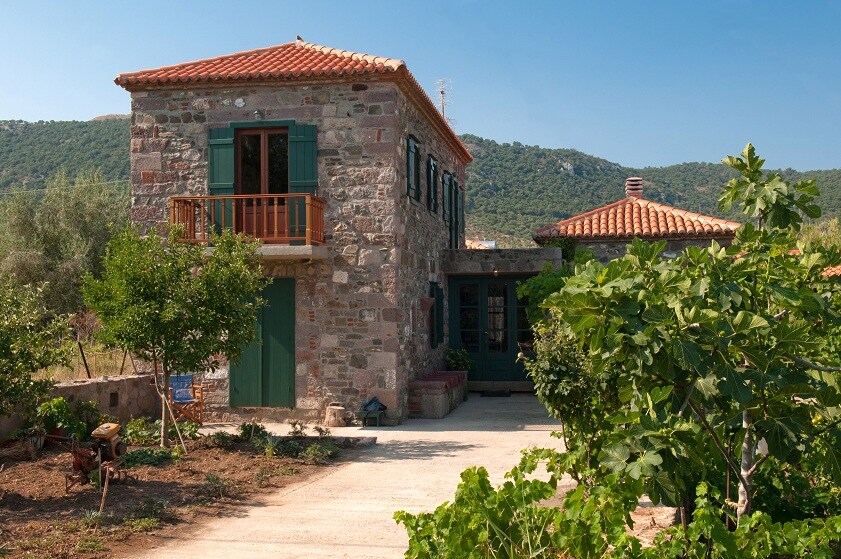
x: 147, y: 456
x: 90, y: 417
x: 56, y: 414
x: 252, y: 430
x: 221, y: 439
x: 458, y: 360
x: 297, y: 429
x: 319, y: 453
x: 141, y: 432
x: 216, y: 487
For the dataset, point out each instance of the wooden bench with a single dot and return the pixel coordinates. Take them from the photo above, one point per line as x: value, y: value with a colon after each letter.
x: 435, y: 395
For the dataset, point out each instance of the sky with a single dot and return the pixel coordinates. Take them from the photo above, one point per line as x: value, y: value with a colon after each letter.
x: 637, y: 83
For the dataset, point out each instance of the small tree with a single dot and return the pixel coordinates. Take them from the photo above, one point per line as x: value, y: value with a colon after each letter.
x: 29, y: 341
x: 171, y: 304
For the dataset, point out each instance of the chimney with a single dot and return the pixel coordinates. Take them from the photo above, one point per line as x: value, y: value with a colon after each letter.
x: 633, y: 187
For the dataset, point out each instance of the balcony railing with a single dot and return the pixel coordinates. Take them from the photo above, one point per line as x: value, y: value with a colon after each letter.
x: 272, y: 218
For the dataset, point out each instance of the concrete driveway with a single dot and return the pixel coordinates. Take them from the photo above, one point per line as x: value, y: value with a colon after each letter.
x: 347, y: 511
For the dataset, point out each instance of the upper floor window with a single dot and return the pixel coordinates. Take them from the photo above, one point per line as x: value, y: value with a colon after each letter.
x: 413, y: 163
x: 432, y: 184
x: 262, y: 161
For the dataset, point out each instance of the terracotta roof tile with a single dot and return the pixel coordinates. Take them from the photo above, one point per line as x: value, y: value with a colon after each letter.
x: 636, y: 217
x: 286, y: 61
x: 298, y: 61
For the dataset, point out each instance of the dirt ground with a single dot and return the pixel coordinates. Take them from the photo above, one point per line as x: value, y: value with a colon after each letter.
x: 38, y: 520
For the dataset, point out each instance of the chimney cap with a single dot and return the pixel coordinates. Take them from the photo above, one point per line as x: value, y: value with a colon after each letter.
x: 633, y: 187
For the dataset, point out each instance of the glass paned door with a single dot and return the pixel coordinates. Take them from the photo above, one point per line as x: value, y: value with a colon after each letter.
x: 487, y: 320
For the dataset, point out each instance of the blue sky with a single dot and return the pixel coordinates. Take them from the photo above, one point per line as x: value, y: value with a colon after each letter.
x: 638, y: 83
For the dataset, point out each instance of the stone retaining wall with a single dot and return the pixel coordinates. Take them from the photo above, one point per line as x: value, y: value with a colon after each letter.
x: 124, y: 397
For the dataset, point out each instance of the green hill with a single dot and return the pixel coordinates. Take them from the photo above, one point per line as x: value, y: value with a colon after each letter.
x: 512, y: 188
x: 30, y: 152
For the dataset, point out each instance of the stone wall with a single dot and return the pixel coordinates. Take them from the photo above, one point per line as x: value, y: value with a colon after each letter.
x: 605, y: 251
x: 124, y: 397
x: 359, y: 332
x: 424, y: 240
x: 501, y: 261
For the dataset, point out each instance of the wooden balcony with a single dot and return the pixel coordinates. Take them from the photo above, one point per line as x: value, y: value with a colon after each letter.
x: 275, y: 219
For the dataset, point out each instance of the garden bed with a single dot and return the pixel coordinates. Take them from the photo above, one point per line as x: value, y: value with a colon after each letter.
x: 38, y: 520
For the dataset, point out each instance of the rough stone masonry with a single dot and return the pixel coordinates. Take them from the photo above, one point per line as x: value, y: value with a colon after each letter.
x: 360, y: 328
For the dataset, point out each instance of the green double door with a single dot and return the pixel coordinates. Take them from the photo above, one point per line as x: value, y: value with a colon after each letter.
x: 487, y: 320
x: 265, y: 373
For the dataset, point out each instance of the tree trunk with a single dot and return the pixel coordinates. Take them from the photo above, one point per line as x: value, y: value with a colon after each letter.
x: 748, y: 456
x: 164, y: 392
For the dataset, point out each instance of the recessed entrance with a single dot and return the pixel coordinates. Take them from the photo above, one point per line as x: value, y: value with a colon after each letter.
x: 487, y: 320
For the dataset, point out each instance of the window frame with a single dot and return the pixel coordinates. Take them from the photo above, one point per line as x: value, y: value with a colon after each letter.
x: 263, y: 133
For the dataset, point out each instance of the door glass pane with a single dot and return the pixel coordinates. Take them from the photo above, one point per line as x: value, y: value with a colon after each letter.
x: 470, y: 341
x: 497, y: 341
x: 468, y: 295
x: 249, y: 160
x: 278, y: 164
x: 469, y: 319
x: 497, y: 316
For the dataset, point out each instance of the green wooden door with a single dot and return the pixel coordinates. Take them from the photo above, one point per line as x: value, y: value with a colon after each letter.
x: 487, y: 320
x: 265, y: 374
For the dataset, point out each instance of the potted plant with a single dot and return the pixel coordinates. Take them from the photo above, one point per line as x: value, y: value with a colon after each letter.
x: 459, y: 360
x: 57, y: 418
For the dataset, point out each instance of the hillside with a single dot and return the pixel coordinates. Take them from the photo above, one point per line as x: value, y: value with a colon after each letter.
x: 32, y: 151
x: 512, y: 188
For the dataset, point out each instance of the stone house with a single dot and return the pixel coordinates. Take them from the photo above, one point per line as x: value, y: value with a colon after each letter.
x: 608, y: 230
x: 342, y: 165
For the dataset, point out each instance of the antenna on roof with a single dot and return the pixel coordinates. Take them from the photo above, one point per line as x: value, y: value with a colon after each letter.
x: 443, y: 86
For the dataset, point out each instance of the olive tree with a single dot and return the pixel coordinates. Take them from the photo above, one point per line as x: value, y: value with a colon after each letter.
x: 175, y: 304
x: 30, y: 340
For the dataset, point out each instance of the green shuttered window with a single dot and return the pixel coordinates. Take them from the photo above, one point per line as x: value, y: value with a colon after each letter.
x: 303, y: 164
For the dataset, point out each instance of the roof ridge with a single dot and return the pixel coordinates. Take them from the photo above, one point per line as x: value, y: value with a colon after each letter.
x: 249, y: 52
x: 579, y: 217
x: 391, y: 63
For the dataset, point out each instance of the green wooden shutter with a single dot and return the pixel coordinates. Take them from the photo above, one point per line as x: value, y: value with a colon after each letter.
x: 303, y: 172
x: 445, y: 190
x: 439, y: 314
x: 432, y: 184
x: 220, y: 173
x: 303, y: 159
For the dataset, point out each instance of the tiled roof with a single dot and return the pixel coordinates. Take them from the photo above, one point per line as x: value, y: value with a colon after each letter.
x: 636, y: 217
x: 287, y: 61
x: 296, y: 62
